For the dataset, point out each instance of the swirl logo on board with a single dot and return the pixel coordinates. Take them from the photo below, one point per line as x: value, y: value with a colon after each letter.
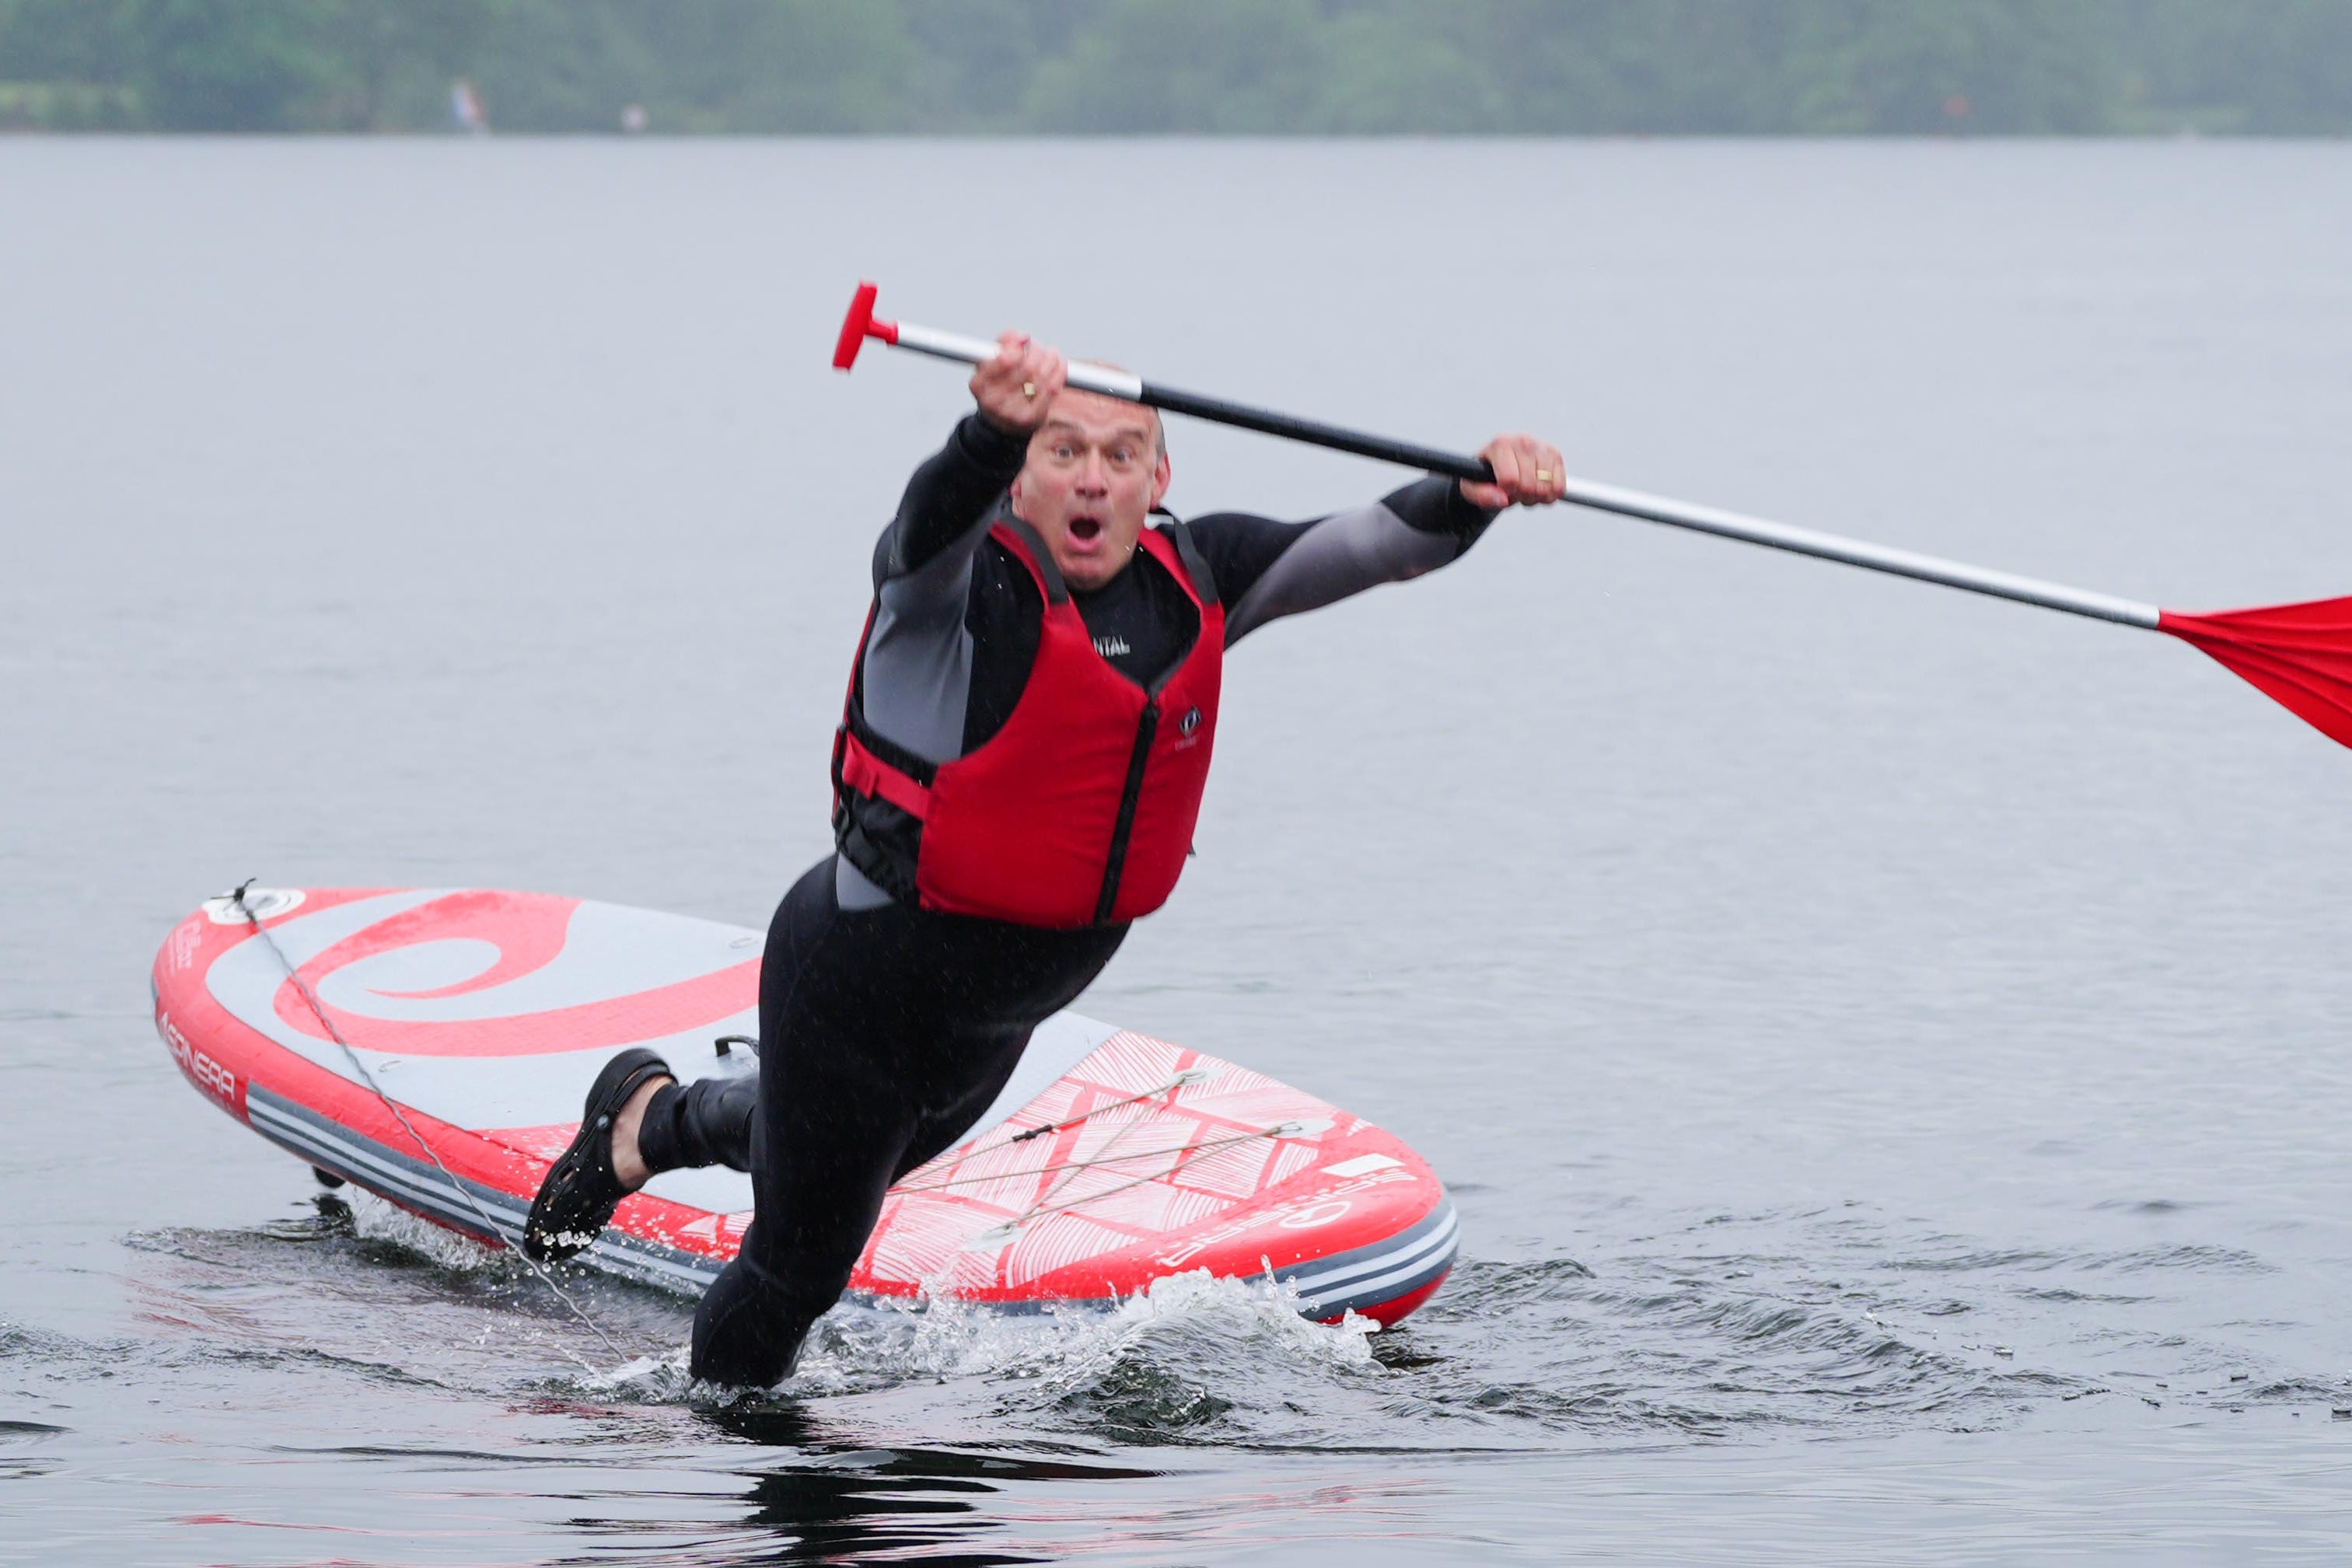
x: 431, y: 979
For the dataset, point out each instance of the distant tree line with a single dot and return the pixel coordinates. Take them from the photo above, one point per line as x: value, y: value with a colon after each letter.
x: 1215, y: 66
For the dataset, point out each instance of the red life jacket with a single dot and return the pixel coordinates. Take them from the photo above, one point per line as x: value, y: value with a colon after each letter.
x: 1078, y: 811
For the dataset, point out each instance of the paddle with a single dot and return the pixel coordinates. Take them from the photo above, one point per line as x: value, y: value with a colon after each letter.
x: 2298, y: 654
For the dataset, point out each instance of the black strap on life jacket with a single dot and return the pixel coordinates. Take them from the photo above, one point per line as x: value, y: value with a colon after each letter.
x: 1196, y: 565
x: 1056, y: 590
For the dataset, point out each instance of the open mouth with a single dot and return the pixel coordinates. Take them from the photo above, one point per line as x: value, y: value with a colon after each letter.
x: 1086, y: 531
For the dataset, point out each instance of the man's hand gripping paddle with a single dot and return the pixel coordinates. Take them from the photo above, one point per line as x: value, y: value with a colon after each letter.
x: 2299, y: 655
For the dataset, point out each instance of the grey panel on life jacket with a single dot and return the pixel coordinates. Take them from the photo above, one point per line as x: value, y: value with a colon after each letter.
x: 918, y: 671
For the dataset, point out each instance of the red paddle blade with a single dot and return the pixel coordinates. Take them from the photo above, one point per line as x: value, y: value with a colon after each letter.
x: 2301, y: 654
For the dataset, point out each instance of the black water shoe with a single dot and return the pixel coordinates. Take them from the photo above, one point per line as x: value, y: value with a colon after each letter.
x: 581, y: 1191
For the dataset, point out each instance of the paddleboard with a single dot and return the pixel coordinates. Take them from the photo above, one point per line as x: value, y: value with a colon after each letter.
x: 483, y: 1016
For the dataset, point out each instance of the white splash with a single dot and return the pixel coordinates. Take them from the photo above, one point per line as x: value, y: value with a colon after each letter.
x: 377, y: 1220
x: 942, y: 1337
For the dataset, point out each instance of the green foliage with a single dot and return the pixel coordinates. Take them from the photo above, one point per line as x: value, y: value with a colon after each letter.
x: 2203, y: 72
x: 1914, y: 66
x: 232, y: 64
x: 1187, y: 67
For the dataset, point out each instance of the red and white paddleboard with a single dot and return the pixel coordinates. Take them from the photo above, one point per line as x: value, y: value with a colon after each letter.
x: 486, y: 1015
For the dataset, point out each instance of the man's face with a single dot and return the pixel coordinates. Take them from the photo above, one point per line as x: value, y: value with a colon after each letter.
x: 1096, y: 469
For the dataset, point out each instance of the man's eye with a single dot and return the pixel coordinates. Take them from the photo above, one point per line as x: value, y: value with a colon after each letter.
x: 1065, y: 451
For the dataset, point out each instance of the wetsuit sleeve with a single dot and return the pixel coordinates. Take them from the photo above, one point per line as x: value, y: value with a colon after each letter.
x: 1266, y: 570
x: 941, y: 515
x: 919, y: 654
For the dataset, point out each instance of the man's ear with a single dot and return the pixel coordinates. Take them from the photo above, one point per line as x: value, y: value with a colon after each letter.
x: 1015, y: 494
x: 1159, y: 478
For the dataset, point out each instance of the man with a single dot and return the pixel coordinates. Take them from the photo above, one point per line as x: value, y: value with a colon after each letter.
x: 1016, y: 777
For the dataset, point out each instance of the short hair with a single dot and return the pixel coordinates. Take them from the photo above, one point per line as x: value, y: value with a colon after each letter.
x: 1158, y: 424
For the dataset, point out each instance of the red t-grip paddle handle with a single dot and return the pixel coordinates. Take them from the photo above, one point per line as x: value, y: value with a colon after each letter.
x: 858, y: 326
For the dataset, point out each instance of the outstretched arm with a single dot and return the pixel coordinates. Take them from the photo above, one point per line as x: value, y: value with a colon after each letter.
x: 1266, y: 570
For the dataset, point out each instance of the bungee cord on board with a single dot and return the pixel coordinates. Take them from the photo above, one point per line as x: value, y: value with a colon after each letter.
x: 1006, y: 1231
x: 1068, y: 1170
x: 1190, y: 1076
x: 1280, y: 1129
x: 489, y: 1226
x: 1045, y: 1205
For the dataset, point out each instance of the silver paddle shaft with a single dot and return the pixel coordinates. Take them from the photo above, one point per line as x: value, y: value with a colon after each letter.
x: 1858, y: 552
x: 979, y: 350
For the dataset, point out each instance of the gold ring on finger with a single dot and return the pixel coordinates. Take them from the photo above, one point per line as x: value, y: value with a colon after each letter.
x: 1543, y: 475
x: 1028, y: 388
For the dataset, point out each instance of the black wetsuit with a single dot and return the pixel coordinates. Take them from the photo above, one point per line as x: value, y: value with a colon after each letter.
x: 886, y: 1030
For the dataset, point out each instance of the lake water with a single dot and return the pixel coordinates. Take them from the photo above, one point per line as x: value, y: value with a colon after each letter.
x: 1888, y: 1047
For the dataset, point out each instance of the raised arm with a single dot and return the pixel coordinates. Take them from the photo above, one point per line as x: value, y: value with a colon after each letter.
x: 947, y: 501
x: 940, y: 516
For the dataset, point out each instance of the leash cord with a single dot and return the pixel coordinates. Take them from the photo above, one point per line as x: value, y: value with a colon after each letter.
x: 456, y: 1186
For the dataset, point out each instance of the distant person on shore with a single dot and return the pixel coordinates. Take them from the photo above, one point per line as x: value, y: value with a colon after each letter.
x: 1016, y: 777
x: 466, y: 107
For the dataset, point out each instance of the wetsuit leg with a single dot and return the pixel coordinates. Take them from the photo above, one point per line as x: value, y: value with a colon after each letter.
x: 710, y: 1122
x: 884, y: 1032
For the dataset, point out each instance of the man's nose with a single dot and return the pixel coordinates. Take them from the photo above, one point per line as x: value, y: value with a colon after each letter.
x: 1094, y: 476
